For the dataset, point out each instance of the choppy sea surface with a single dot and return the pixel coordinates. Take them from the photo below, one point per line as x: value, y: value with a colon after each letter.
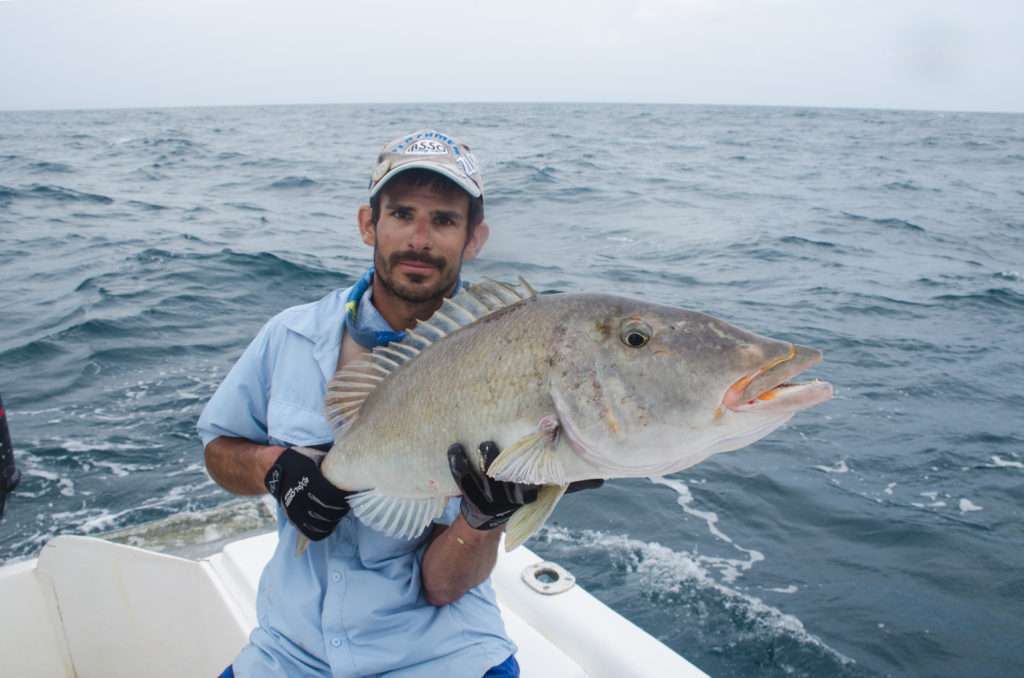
x: 879, y: 534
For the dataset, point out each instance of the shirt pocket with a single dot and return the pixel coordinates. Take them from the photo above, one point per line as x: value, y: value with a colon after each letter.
x: 292, y: 424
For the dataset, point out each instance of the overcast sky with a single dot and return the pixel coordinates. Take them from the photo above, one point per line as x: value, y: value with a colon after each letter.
x: 934, y: 54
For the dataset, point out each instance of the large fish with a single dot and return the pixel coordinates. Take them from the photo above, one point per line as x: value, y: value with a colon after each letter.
x: 570, y: 387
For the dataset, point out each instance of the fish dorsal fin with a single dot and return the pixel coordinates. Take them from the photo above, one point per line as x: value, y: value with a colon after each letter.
x: 352, y: 385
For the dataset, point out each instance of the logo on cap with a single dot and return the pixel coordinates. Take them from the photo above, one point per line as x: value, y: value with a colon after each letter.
x: 468, y: 163
x: 427, y: 147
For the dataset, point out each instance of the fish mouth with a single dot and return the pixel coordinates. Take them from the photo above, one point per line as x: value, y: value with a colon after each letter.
x: 769, y: 388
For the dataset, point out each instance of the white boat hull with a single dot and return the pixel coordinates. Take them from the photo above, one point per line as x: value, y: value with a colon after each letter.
x: 90, y: 608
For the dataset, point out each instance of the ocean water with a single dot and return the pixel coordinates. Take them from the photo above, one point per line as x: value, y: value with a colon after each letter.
x: 878, y: 534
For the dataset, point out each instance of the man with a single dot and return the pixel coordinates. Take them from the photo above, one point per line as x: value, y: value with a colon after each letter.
x: 9, y: 474
x: 357, y: 602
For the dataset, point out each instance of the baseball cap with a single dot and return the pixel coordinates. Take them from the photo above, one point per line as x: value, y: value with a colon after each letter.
x: 431, y: 150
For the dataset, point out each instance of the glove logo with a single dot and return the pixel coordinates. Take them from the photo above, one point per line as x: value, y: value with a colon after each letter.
x: 292, y: 491
x: 274, y: 480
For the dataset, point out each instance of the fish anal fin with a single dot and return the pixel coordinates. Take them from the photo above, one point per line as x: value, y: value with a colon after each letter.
x: 403, y: 517
x: 528, y: 519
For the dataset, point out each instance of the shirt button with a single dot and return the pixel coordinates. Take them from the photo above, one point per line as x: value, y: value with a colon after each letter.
x: 335, y: 576
x: 336, y: 642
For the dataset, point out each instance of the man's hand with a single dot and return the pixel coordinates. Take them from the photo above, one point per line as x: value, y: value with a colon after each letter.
x: 463, y: 554
x: 489, y: 503
x: 486, y: 503
x: 312, y: 503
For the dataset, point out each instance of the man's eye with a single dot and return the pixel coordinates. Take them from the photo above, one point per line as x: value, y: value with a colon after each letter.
x: 400, y: 214
x: 445, y: 221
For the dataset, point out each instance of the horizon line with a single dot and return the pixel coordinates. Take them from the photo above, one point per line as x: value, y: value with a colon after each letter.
x: 508, y: 102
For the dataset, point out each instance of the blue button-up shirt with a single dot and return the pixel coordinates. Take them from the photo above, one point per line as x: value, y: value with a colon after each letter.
x: 353, y: 603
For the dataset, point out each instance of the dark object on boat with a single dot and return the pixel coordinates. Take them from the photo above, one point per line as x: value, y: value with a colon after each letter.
x: 9, y: 475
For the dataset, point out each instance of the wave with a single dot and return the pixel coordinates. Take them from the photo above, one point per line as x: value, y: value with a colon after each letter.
x: 247, y: 206
x: 58, y: 193
x: 180, y: 143
x: 998, y: 297
x: 908, y: 186
x: 767, y: 249
x: 50, y: 168
x: 146, y: 174
x: 171, y: 290
x: 245, y: 263
x: 39, y: 352
x: 892, y: 222
x: 544, y: 175
x: 879, y: 311
x: 618, y: 274
x: 149, y: 206
x: 119, y: 324
x: 230, y: 155
x: 294, y: 182
x: 797, y: 240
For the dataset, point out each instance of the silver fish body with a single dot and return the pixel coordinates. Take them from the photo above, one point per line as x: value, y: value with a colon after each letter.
x: 570, y: 387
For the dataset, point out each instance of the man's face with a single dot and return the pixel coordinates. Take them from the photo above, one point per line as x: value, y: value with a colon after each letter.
x: 419, y: 240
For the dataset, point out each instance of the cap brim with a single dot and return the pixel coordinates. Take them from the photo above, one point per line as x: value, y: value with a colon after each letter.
x: 462, y: 180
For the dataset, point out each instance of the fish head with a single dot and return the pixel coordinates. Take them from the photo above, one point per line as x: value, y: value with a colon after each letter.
x: 643, y: 389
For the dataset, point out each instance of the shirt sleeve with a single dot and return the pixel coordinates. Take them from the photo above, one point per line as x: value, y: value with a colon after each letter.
x: 451, y: 512
x: 238, y: 409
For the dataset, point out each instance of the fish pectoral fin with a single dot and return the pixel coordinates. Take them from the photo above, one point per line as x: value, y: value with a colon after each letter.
x: 404, y: 517
x: 532, y: 459
x: 528, y: 519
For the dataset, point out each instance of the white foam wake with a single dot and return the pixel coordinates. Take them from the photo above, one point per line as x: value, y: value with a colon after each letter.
x: 840, y: 467
x: 660, y: 570
x: 1005, y: 463
x: 730, y: 568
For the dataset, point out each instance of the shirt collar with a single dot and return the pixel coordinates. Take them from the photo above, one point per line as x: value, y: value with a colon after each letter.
x: 364, y: 322
x: 322, y: 322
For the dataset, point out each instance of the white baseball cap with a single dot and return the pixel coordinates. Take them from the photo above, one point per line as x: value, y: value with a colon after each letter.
x: 431, y: 150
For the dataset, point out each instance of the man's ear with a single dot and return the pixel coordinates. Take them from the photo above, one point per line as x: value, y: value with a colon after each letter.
x: 476, y: 241
x: 366, y: 226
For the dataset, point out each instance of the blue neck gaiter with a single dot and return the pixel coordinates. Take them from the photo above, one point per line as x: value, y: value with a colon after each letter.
x: 364, y: 322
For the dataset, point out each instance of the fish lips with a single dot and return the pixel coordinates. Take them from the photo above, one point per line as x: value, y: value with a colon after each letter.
x: 768, y: 389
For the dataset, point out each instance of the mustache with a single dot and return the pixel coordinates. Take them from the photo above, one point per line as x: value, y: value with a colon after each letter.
x: 421, y: 257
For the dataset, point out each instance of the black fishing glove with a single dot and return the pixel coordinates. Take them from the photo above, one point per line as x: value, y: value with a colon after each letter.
x: 489, y: 503
x: 312, y: 503
x: 486, y: 503
x: 579, y: 485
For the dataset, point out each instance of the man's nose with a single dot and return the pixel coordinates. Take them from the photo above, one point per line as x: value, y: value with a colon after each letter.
x: 419, y: 239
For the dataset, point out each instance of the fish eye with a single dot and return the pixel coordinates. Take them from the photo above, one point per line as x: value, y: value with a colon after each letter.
x: 635, y: 335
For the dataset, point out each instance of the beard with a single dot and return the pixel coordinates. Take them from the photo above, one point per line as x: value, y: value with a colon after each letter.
x: 414, y: 292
